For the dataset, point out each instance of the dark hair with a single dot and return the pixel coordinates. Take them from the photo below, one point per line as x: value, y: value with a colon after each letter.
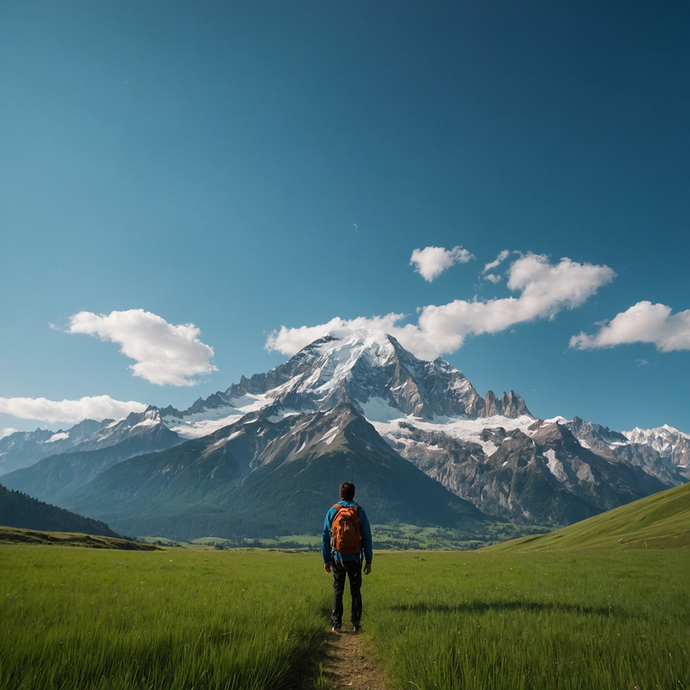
x: 347, y: 491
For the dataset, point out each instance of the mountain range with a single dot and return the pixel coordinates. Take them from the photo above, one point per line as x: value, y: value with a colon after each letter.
x: 266, y: 456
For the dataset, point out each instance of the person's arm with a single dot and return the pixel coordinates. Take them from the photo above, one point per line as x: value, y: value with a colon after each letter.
x: 365, y: 530
x: 326, y: 541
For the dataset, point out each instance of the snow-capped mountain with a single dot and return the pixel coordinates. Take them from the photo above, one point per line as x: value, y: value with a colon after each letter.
x: 486, y: 450
x: 662, y: 452
x: 264, y: 476
x: 372, y: 372
x: 672, y: 445
x: 144, y: 431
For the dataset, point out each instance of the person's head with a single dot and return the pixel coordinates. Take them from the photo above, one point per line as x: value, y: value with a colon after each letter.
x: 347, y: 491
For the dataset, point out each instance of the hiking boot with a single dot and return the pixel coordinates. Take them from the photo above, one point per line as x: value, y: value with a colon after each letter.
x: 356, y: 629
x: 336, y: 629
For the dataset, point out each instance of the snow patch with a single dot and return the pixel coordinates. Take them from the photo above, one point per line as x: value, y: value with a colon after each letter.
x: 489, y: 448
x: 465, y: 430
x: 223, y: 441
x: 206, y: 422
x: 203, y: 427
x: 61, y: 436
x: 377, y: 409
x: 330, y: 436
x: 147, y: 423
x: 280, y: 416
x: 561, y: 420
x: 555, y: 465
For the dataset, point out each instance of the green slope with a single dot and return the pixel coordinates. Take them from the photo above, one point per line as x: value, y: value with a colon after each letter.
x: 660, y: 521
x: 22, y: 511
x: 16, y: 535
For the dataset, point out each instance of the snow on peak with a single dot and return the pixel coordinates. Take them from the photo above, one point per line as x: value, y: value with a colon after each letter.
x: 330, y: 361
x: 557, y: 419
x: 59, y: 436
x: 376, y: 409
x: 661, y: 438
x: 206, y: 422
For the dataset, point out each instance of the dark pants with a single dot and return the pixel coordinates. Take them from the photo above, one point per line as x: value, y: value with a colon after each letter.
x: 341, y: 571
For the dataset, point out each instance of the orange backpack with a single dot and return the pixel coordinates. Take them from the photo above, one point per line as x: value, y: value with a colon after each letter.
x: 345, y: 532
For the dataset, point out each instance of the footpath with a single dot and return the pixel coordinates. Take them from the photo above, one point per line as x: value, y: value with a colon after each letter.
x: 349, y: 664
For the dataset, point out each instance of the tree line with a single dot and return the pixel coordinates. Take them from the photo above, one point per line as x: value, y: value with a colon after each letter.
x: 18, y: 509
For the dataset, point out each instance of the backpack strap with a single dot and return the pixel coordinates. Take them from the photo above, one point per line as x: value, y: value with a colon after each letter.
x: 337, y: 507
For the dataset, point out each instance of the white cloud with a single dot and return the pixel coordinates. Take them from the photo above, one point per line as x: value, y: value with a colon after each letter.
x: 430, y: 262
x: 164, y: 354
x: 72, y: 411
x: 291, y: 340
x: 644, y: 322
x: 496, y: 263
x: 544, y: 290
x: 7, y: 432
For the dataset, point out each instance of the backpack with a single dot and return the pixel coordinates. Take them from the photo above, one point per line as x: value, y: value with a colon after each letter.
x: 346, y: 536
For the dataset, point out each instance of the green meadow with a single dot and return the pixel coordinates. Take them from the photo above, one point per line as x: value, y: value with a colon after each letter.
x: 600, y: 605
x: 174, y: 618
x: 485, y: 620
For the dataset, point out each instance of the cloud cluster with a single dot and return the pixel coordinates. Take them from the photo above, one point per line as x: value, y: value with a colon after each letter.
x: 644, y: 322
x: 544, y: 290
x: 430, y: 262
x: 165, y: 354
x: 71, y: 411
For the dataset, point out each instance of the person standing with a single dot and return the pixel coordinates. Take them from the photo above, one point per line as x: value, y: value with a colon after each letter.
x: 346, y: 542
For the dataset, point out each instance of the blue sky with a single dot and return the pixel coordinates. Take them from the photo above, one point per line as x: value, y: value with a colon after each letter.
x: 181, y: 181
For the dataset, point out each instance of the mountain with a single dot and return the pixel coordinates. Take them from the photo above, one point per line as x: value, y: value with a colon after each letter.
x: 368, y: 367
x: 366, y: 370
x: 537, y: 473
x: 270, y: 475
x: 54, y: 478
x: 661, y: 521
x: 668, y: 443
x: 20, y: 510
x: 262, y: 456
x: 144, y: 432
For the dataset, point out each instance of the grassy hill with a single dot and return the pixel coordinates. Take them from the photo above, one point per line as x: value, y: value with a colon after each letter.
x: 660, y: 521
x: 16, y: 535
x: 19, y: 510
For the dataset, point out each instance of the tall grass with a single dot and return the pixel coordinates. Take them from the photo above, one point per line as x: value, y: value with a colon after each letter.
x: 78, y: 618
x: 186, y: 618
x: 482, y: 621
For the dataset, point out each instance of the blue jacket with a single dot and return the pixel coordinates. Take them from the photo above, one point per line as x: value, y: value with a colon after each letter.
x: 365, y: 530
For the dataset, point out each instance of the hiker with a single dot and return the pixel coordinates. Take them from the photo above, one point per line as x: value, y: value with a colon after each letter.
x: 346, y: 537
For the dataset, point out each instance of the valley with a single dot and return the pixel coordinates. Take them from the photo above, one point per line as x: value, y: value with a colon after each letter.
x: 585, y: 610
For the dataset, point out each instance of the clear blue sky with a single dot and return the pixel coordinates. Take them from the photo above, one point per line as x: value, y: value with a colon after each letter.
x: 248, y: 166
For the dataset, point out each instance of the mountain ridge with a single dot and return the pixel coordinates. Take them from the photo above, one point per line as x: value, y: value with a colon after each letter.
x: 489, y: 451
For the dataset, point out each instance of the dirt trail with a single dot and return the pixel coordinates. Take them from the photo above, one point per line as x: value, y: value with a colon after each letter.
x: 350, y: 664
